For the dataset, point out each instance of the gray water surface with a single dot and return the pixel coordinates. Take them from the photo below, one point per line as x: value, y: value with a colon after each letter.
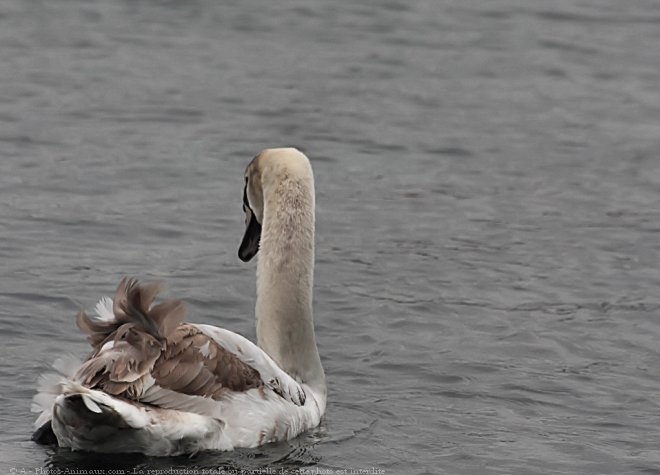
x: 488, y: 219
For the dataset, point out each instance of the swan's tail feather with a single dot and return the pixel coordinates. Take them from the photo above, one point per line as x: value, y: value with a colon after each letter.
x: 88, y: 419
x: 82, y: 412
x: 100, y: 406
x: 50, y: 386
x: 78, y: 409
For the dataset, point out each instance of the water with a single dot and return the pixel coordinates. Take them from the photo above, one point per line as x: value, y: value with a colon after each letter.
x: 487, y: 226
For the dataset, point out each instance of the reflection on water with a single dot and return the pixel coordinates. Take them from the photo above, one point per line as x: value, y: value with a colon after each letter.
x: 278, y: 457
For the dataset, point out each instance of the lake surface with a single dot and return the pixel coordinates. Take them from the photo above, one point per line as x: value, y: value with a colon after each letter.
x: 487, y: 290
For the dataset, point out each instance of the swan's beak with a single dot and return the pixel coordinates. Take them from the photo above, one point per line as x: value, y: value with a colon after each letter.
x: 250, y: 244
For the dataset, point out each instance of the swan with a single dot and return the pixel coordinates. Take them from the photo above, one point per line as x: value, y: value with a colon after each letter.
x: 160, y: 386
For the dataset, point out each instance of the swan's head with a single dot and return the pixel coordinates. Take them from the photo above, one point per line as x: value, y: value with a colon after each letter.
x: 271, y: 168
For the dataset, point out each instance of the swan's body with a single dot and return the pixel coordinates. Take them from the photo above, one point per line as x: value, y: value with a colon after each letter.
x: 156, y: 385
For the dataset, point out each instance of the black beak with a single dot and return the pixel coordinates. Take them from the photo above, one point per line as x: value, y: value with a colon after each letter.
x: 250, y: 244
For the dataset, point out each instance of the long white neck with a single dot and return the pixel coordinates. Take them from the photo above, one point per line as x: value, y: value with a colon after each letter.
x: 285, y: 273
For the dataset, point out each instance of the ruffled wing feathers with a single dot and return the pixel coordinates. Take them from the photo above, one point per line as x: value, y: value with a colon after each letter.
x: 127, y: 346
x: 146, y: 343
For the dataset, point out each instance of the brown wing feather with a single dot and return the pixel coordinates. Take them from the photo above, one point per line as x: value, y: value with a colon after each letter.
x: 151, y: 340
x: 138, y: 333
x: 186, y: 368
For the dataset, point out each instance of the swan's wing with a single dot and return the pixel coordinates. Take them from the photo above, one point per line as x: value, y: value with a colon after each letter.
x: 249, y: 353
x: 146, y: 351
x: 196, y: 365
x: 210, y: 362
